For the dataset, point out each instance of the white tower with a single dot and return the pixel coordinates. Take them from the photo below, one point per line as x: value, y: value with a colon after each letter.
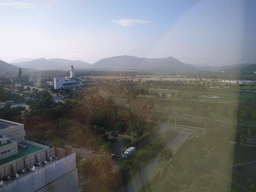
x: 72, y: 73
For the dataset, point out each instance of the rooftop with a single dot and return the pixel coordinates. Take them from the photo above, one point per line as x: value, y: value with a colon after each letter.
x: 8, y: 142
x: 21, y: 153
x: 6, y: 124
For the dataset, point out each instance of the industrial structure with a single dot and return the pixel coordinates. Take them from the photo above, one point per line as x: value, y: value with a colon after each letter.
x: 28, y: 166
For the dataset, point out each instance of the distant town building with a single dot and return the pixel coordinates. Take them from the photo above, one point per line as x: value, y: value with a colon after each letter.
x: 19, y: 78
x: 20, y: 72
x: 71, y: 82
x: 240, y: 82
x: 27, y: 166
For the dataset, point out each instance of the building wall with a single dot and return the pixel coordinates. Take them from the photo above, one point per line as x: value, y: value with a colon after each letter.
x: 29, y: 159
x: 60, y: 175
x: 15, y: 132
x: 66, y: 183
x: 58, y: 82
x: 8, y: 150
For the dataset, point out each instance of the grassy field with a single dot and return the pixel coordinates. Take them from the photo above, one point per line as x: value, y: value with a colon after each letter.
x: 206, y: 99
x: 201, y: 104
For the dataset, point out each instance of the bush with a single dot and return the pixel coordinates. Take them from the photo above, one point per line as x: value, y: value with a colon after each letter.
x: 127, y: 142
x: 156, y: 146
x: 112, y: 143
x: 57, y: 142
x: 166, y: 154
x: 36, y: 137
x: 114, y: 134
x: 144, y: 155
x: 95, y: 166
x: 141, y: 139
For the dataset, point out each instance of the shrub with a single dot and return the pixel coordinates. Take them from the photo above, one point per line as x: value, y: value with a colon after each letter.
x: 95, y: 166
x: 141, y: 139
x: 166, y: 154
x: 127, y: 142
x: 58, y: 142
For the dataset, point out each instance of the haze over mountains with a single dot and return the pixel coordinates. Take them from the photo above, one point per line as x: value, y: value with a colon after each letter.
x: 52, y: 64
x: 143, y: 64
x: 117, y: 63
x: 20, y: 60
x: 112, y: 63
x: 8, y: 69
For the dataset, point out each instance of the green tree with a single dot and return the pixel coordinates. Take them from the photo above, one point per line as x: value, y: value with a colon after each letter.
x: 58, y: 142
x: 41, y: 101
x: 9, y: 113
x: 165, y: 155
x: 95, y: 166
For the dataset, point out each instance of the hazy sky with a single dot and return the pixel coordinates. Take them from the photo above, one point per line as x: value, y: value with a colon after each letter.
x: 214, y: 32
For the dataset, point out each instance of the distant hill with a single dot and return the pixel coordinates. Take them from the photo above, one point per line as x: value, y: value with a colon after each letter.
x: 131, y: 63
x: 20, y: 60
x: 53, y: 64
x: 168, y: 64
x: 7, y: 69
x: 242, y: 69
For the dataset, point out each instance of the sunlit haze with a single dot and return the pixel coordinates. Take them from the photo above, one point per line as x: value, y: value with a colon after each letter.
x: 195, y: 32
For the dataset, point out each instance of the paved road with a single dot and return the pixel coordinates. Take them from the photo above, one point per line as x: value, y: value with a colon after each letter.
x: 178, y: 140
x: 139, y: 179
x: 181, y: 129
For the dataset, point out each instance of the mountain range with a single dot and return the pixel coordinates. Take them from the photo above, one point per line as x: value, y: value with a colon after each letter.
x: 122, y: 63
x: 7, y: 69
x: 243, y: 69
x: 168, y: 64
x: 52, y: 64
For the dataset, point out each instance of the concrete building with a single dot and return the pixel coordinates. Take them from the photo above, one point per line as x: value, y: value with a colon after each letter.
x: 28, y: 166
x: 19, y: 80
x: 14, y: 131
x: 71, y: 82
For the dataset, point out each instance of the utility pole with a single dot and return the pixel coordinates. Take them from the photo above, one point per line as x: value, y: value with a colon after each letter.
x: 175, y: 123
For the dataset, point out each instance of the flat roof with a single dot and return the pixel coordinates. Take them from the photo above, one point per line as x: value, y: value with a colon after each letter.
x: 7, y: 143
x: 6, y: 124
x: 21, y: 153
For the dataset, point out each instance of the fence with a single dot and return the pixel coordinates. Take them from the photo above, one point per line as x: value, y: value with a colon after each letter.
x: 30, y: 159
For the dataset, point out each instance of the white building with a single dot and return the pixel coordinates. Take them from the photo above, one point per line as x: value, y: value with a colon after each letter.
x: 70, y: 82
x: 240, y: 82
x: 26, y: 166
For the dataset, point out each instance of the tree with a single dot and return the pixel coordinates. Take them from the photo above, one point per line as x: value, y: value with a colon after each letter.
x: 95, y: 166
x: 9, y: 113
x: 58, y: 142
x: 41, y: 101
x: 37, y: 137
x: 165, y: 155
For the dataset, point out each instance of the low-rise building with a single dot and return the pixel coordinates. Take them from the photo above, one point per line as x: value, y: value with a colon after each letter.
x: 28, y: 166
x: 19, y: 80
x: 240, y: 82
x: 71, y: 82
